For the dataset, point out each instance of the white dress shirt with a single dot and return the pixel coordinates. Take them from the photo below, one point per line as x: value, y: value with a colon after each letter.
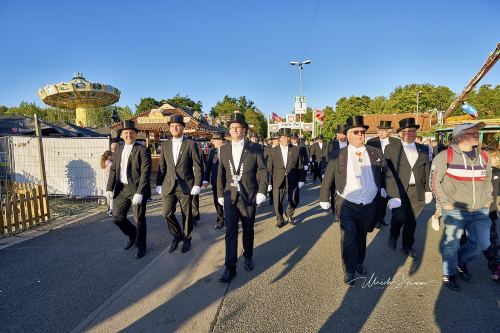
x: 342, y: 144
x: 237, y: 150
x: 284, y: 154
x: 412, y: 156
x: 383, y: 143
x: 320, y: 145
x: 127, y: 149
x: 360, y: 185
x: 176, y: 147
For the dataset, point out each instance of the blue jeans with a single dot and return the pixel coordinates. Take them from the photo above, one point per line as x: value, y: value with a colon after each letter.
x: 477, y: 228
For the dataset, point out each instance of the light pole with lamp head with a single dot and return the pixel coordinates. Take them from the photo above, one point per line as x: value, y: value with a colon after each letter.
x: 418, y: 95
x: 300, y: 64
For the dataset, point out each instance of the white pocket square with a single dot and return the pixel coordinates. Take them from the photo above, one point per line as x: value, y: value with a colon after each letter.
x: 378, y: 160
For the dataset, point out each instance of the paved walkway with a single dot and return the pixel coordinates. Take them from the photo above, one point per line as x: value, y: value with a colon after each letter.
x: 295, y: 287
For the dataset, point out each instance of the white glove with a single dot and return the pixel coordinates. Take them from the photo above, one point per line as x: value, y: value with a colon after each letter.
x: 306, y: 167
x: 260, y: 198
x: 109, y: 195
x: 158, y: 189
x: 195, y: 190
x: 301, y: 184
x: 383, y: 193
x: 325, y: 205
x: 428, y: 197
x: 137, y: 199
x: 269, y: 188
x: 394, y: 203
x: 205, y: 184
x: 322, y: 176
x: 310, y: 160
x: 220, y: 201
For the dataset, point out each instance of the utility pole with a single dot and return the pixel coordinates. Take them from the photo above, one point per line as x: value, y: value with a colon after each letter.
x: 42, y: 163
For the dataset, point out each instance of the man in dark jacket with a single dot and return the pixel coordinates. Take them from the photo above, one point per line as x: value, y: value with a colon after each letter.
x: 285, y: 165
x: 210, y: 176
x: 410, y: 167
x: 178, y: 179
x: 241, y: 186
x: 129, y: 185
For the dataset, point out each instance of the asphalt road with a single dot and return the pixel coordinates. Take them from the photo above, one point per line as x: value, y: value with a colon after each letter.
x: 80, y: 278
x: 52, y: 282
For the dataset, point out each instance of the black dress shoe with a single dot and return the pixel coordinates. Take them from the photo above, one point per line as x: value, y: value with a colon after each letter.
x: 410, y: 252
x: 196, y: 218
x: 392, y: 242
x: 130, y: 243
x: 219, y: 226
x: 228, y: 275
x: 349, y: 279
x: 186, y: 245
x: 464, y: 273
x: 281, y: 224
x: 140, y: 254
x: 248, y: 264
x: 450, y: 281
x: 174, y: 245
x: 361, y: 269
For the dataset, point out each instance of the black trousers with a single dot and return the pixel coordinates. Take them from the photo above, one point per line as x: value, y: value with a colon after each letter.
x: 355, y: 220
x: 195, y: 206
x: 218, y: 208
x: 279, y: 195
x: 381, y: 209
x: 121, y: 206
x: 315, y: 171
x: 233, y: 213
x: 168, y: 206
x: 406, y: 217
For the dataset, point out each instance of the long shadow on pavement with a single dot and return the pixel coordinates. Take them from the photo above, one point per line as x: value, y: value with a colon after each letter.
x: 360, y: 301
x: 176, y: 311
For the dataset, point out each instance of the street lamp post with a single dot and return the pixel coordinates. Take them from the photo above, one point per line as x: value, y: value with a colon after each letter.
x: 300, y: 64
x: 418, y: 95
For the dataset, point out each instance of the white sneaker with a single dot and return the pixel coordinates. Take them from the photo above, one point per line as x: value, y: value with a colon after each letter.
x: 435, y: 223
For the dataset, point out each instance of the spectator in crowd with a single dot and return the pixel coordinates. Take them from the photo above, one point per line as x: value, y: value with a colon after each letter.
x: 106, y: 162
x: 461, y: 182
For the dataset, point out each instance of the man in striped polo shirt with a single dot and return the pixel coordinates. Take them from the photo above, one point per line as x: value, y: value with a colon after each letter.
x: 461, y: 182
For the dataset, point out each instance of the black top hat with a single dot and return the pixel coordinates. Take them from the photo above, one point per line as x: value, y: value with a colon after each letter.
x: 341, y: 128
x: 385, y: 124
x: 218, y: 136
x: 238, y: 117
x: 355, y: 121
x: 129, y: 124
x: 406, y: 123
x: 284, y: 132
x: 176, y: 118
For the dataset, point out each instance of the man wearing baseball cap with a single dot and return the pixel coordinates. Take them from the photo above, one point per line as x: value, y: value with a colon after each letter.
x: 461, y: 182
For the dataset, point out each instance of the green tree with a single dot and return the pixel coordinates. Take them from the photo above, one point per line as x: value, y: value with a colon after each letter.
x: 404, y: 99
x: 28, y: 109
x: 377, y: 105
x: 3, y: 110
x: 329, y: 123
x: 230, y: 104
x: 183, y: 102
x: 257, y: 120
x: 486, y: 101
x: 125, y: 113
x: 145, y: 104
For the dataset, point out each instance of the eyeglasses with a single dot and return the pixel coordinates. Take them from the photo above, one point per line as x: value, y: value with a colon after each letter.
x: 358, y: 132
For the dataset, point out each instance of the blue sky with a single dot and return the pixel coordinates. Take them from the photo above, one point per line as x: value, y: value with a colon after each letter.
x: 208, y: 49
